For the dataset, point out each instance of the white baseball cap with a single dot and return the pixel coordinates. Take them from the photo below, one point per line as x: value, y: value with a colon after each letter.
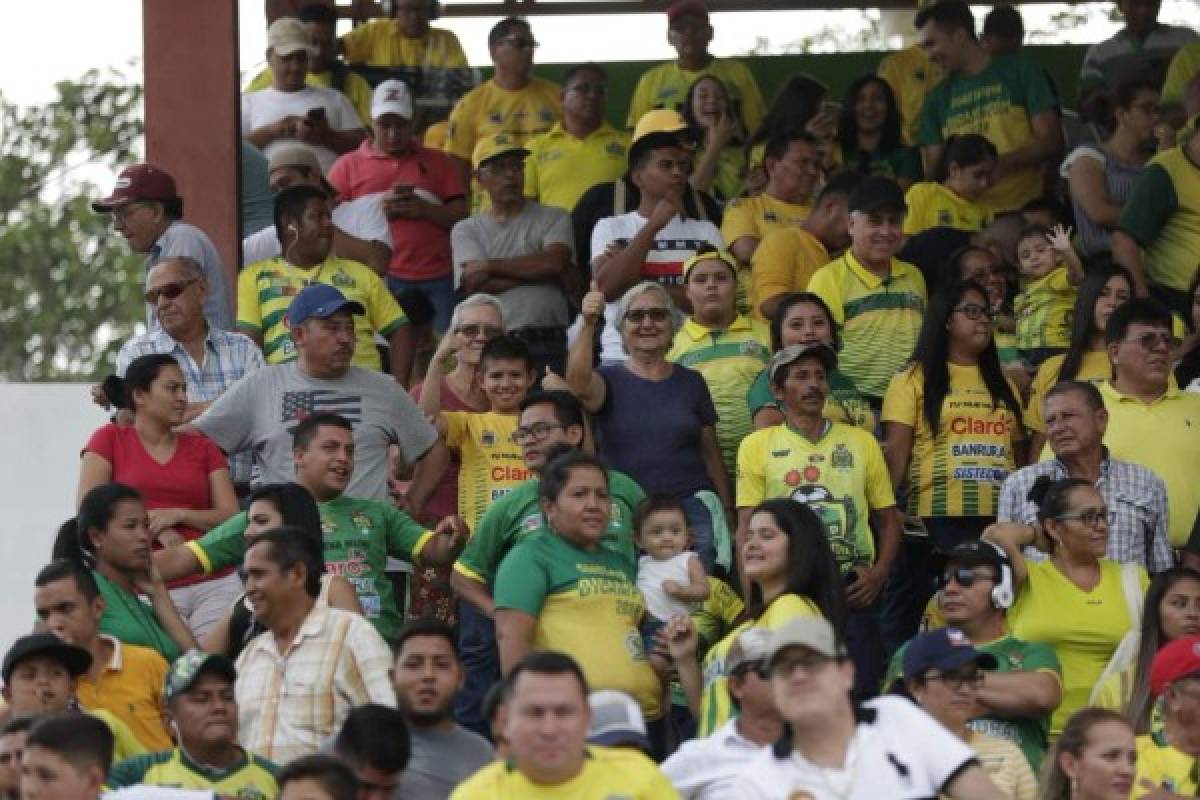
x: 392, y: 97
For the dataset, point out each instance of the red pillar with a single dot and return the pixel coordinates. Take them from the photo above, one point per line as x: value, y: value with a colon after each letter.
x: 191, y: 67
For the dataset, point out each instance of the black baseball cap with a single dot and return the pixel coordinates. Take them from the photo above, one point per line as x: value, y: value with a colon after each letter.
x: 876, y: 192
x: 75, y: 659
x: 978, y: 553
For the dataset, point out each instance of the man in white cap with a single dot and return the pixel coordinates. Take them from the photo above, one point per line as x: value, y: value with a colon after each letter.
x: 360, y: 228
x: 423, y: 197
x: 886, y: 747
x: 290, y: 111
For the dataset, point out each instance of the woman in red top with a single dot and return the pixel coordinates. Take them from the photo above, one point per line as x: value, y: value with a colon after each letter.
x: 183, y: 477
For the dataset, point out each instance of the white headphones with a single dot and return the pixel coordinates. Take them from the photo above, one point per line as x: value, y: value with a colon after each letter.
x: 1003, y: 593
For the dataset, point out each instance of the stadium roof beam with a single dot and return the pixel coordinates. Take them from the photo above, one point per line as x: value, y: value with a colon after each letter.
x: 357, y: 10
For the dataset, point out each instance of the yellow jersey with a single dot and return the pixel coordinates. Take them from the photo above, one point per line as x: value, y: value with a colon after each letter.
x: 356, y: 88
x: 1184, y: 66
x: 382, y: 43
x: 266, y: 290
x: 1084, y: 628
x: 1045, y: 311
x: 729, y: 360
x: 759, y: 215
x: 1163, y: 215
x: 932, y: 205
x: 1133, y: 427
x: 911, y: 75
x: 125, y: 744
x: 842, y: 476
x: 1006, y: 765
x: 609, y: 773
x: 784, y: 262
x: 487, y: 110
x: 666, y: 86
x: 491, y: 465
x: 872, y: 311
x: 956, y: 471
x: 250, y: 778
x: 1164, y: 767
x: 1094, y: 367
x: 561, y: 167
x: 130, y: 688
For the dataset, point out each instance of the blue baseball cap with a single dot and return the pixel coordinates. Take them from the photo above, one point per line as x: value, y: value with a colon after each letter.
x: 319, y: 301
x: 945, y: 648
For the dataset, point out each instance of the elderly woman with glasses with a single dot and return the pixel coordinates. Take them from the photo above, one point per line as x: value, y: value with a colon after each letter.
x: 1078, y: 602
x: 655, y: 420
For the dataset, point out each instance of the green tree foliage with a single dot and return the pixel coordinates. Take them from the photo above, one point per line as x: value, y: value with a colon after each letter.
x: 69, y: 285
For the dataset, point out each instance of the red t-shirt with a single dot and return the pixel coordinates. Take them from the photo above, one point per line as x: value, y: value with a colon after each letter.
x: 420, y: 248
x: 182, y: 482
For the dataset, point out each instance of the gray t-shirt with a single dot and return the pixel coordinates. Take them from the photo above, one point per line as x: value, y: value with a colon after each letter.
x: 481, y: 237
x: 184, y: 239
x: 262, y: 410
x: 440, y: 761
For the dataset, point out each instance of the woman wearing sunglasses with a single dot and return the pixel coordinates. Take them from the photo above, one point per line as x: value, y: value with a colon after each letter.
x: 476, y: 321
x: 1078, y: 602
x: 953, y: 432
x: 183, y: 477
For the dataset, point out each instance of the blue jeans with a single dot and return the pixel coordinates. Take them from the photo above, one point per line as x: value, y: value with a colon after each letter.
x: 700, y: 523
x: 440, y: 292
x: 481, y: 665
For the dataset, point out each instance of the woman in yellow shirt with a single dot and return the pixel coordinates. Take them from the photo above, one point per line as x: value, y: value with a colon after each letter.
x: 962, y: 174
x: 1086, y: 359
x: 720, y: 166
x: 1075, y: 602
x: 792, y: 574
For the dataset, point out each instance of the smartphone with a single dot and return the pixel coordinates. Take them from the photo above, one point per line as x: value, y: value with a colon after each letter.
x: 831, y: 107
x: 315, y: 114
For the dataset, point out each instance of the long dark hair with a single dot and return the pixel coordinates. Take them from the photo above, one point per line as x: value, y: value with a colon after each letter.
x: 1100, y: 109
x: 812, y: 570
x: 794, y: 299
x: 1084, y: 322
x: 889, y: 135
x: 73, y: 541
x: 1140, y: 704
x: 689, y: 112
x: 933, y: 354
x: 797, y: 102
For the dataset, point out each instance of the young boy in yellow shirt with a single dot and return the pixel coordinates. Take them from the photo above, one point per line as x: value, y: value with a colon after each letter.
x: 1050, y: 274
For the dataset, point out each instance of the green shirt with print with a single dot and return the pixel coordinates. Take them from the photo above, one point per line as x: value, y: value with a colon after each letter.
x: 131, y: 621
x: 359, y: 535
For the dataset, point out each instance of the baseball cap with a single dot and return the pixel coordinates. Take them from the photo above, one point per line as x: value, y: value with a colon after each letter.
x: 75, y: 659
x: 392, y: 97
x: 815, y: 633
x: 681, y: 8
x: 319, y: 301
x: 191, y: 665
x: 491, y: 147
x: 1174, y: 660
x: 710, y: 254
x: 945, y: 648
x: 658, y: 120
x: 789, y: 355
x: 749, y: 647
x: 294, y: 156
x: 138, y: 182
x: 876, y: 192
x: 287, y: 35
x: 978, y: 553
x: 616, y: 720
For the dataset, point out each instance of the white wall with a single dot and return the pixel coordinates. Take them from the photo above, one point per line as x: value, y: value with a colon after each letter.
x: 43, y: 426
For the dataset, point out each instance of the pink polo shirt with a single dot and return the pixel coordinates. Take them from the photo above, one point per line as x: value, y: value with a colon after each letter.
x: 420, y: 248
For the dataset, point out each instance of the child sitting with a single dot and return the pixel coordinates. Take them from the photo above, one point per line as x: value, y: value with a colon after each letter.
x: 670, y: 576
x: 962, y: 174
x: 1050, y: 272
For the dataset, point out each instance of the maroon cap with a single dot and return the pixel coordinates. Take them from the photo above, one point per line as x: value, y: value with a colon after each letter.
x: 682, y: 8
x: 138, y: 182
x: 1174, y: 660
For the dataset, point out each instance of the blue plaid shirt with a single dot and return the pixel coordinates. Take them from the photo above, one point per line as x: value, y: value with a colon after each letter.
x: 227, y: 358
x: 1137, y: 509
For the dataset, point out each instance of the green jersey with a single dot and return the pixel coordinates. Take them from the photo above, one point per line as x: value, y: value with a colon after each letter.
x: 131, y: 621
x: 1013, y: 655
x: 518, y: 515
x: 358, y: 535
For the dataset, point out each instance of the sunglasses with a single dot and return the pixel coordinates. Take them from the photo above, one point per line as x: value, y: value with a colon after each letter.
x: 963, y: 576
x: 472, y: 331
x: 640, y: 315
x: 168, y: 290
x: 1149, y: 341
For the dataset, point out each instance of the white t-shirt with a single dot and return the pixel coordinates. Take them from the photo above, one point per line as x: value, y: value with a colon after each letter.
x: 902, y: 754
x: 270, y: 105
x: 651, y: 575
x: 362, y: 218
x: 712, y: 768
x: 675, y: 243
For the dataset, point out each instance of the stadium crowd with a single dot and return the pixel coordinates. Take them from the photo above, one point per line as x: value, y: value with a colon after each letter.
x: 821, y: 448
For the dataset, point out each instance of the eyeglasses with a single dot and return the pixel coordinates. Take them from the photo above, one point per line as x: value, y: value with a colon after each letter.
x: 1091, y: 517
x: 1149, y: 341
x: 963, y: 576
x: 168, y: 290
x: 957, y: 680
x: 472, y: 331
x: 519, y: 43
x: 639, y: 315
x: 122, y: 213
x: 535, y: 432
x: 974, y: 311
x: 809, y: 663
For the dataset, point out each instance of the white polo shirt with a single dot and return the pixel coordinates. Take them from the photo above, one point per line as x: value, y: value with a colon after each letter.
x: 898, y: 752
x: 712, y: 768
